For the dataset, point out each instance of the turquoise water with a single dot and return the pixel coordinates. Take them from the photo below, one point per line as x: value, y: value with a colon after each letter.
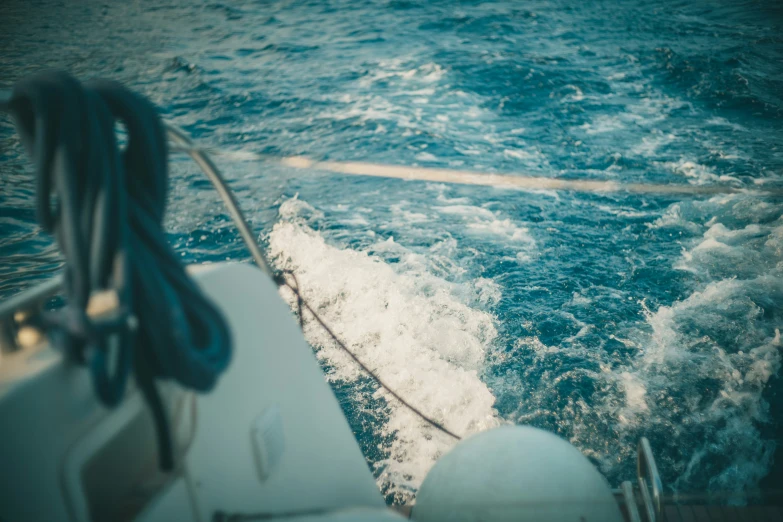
x: 601, y: 317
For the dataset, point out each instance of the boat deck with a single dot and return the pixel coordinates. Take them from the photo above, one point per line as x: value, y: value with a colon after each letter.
x: 703, y: 513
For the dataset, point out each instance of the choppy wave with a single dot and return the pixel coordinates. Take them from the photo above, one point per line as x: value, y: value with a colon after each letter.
x: 413, y: 329
x: 699, y: 386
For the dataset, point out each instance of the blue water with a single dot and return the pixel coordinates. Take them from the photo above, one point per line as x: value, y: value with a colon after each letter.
x: 600, y: 317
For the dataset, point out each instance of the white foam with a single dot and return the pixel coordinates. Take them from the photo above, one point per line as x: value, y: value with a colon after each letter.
x: 482, y: 221
x: 616, y: 76
x: 700, y: 173
x: 650, y: 144
x: 523, y: 258
x: 622, y: 212
x: 576, y: 93
x: 635, y: 397
x: 399, y: 69
x: 426, y: 156
x: 405, y: 216
x: 725, y: 251
x: 524, y: 155
x: 413, y: 328
x: 580, y: 300
x: 719, y: 231
x: 602, y: 124
x: 468, y: 211
x: 442, y: 198
x: 673, y: 218
x: 534, y: 345
x: 710, y: 244
x: 504, y: 228
x: 676, y: 362
x: 723, y: 122
x: 701, y: 373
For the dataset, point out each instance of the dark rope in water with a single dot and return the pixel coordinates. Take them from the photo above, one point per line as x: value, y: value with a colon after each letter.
x: 107, y: 219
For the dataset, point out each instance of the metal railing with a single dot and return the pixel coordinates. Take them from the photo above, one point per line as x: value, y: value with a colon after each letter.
x: 650, y: 483
x: 650, y: 488
x: 16, y: 310
x: 629, y: 499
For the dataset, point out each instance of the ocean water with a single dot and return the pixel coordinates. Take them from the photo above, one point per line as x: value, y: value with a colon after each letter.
x: 601, y: 317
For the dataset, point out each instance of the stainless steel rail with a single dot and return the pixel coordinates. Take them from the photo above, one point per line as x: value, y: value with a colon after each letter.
x: 650, y: 483
x: 15, y: 310
x: 203, y: 160
x: 629, y: 498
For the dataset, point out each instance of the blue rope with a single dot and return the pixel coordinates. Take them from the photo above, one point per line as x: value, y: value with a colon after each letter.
x: 107, y: 219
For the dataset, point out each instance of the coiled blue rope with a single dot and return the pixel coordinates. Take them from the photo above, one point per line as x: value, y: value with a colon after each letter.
x: 107, y: 219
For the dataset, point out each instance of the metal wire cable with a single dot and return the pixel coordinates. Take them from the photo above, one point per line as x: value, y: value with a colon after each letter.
x: 281, y: 281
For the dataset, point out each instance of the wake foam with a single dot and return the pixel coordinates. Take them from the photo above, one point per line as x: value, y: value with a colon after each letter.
x: 695, y: 381
x: 412, y: 328
x: 698, y: 385
x: 716, y: 352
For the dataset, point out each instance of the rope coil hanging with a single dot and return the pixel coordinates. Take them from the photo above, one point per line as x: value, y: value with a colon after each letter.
x: 105, y: 207
x: 108, y: 222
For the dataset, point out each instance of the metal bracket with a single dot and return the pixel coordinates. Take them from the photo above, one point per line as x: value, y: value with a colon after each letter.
x: 14, y: 310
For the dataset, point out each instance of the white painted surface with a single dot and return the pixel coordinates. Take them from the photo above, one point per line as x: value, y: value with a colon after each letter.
x: 172, y: 506
x: 45, y: 406
x: 52, y: 425
x: 274, y: 398
x: 515, y: 473
x: 321, y: 465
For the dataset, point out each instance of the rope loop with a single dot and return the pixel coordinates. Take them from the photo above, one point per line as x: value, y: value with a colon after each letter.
x: 131, y: 308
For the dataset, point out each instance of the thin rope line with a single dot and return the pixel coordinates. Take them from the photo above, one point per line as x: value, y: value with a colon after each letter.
x: 303, y: 302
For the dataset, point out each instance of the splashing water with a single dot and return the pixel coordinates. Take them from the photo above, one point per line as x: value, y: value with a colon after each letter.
x: 408, y: 325
x: 599, y: 316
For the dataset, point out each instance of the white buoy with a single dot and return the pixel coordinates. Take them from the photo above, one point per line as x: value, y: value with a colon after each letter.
x: 515, y: 473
